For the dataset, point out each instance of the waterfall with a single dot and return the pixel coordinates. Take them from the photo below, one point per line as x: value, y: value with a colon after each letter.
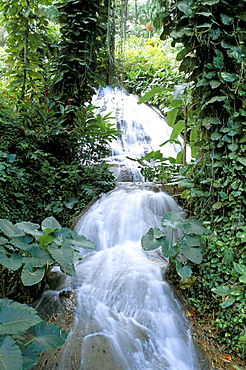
x: 127, y: 317
x: 142, y: 130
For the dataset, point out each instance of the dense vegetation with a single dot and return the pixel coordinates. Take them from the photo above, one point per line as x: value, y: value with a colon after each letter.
x: 208, y: 37
x: 52, y: 140
x: 51, y: 144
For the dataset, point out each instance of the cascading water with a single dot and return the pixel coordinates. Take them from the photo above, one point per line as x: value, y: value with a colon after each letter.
x: 142, y: 128
x: 127, y: 317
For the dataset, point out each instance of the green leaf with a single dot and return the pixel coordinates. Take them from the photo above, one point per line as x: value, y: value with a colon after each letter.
x: 3, y: 240
x: 81, y: 241
x: 228, y: 77
x: 30, y: 357
x: 221, y: 290
x: 215, y: 98
x: 172, y: 113
x: 195, y: 192
x: 177, y: 129
x: 242, y: 279
x: 184, y: 8
x: 46, y: 336
x: 22, y: 242
x: 30, y: 277
x: 241, y: 269
x: 183, y: 271
x: 168, y: 251
x: 10, y: 354
x: 214, y: 84
x: 226, y: 19
x: 193, y: 254
x: 63, y: 255
x: 16, y: 317
x: 29, y: 228
x: 209, y: 2
x: 71, y: 202
x: 215, y: 136
x: 195, y: 227
x: 228, y: 302
x: 39, y: 257
x: 190, y: 241
x: 217, y: 205
x: 13, y: 263
x: 51, y: 223
x: 153, y: 239
x: 45, y: 239
x: 233, y: 147
x: 9, y: 229
x: 186, y: 183
x: 172, y: 220
x: 242, y: 160
x: 236, y: 291
x: 150, y: 94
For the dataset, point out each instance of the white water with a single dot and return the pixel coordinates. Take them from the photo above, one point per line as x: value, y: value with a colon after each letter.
x: 127, y: 317
x: 143, y: 129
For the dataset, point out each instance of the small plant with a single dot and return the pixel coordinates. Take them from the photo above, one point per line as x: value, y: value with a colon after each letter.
x: 24, y: 335
x: 184, y: 249
x: 27, y: 254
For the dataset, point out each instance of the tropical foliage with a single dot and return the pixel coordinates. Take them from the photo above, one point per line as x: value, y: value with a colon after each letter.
x: 185, y: 249
x: 24, y: 336
x: 212, y: 33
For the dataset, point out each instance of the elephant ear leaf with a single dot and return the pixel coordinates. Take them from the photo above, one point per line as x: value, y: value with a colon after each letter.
x: 46, y: 336
x: 15, y: 317
x: 50, y: 223
x: 153, y: 239
x: 10, y: 354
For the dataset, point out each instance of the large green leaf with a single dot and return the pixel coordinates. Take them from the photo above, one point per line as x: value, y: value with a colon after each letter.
x: 172, y: 220
x: 50, y: 223
x: 29, y: 228
x: 190, y: 241
x: 193, y: 254
x: 10, y: 354
x: 221, y: 290
x: 22, y: 242
x: 3, y: 240
x: 173, y: 112
x: 46, y: 336
x: 13, y: 263
x: 46, y: 239
x: 30, y: 357
x: 177, y: 129
x: 63, y: 255
x: 39, y: 257
x: 153, y: 239
x: 167, y: 250
x: 150, y: 94
x: 195, y: 227
x: 30, y: 277
x: 82, y: 241
x: 184, y: 271
x: 14, y: 319
x: 9, y: 229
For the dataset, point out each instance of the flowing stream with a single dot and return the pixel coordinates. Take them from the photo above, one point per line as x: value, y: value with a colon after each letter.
x: 127, y: 317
